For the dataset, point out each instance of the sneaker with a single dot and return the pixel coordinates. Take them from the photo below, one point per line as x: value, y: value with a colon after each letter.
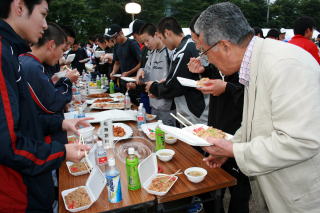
x: 196, y: 205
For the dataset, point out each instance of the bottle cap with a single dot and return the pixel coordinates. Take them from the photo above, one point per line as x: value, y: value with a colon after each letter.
x: 111, y: 162
x: 131, y: 151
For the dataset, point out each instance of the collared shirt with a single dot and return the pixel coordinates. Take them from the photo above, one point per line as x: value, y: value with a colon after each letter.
x: 244, y: 73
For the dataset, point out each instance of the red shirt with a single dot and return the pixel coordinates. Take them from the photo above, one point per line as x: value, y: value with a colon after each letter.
x: 306, y: 44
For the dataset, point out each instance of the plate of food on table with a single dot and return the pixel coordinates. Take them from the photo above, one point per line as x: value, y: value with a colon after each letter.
x: 98, y: 95
x: 120, y: 131
x: 106, y: 105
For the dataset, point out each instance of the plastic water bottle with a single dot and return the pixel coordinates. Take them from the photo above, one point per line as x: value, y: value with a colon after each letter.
x: 127, y: 101
x: 101, y: 156
x: 141, y: 119
x: 132, y: 162
x: 160, y: 137
x: 98, y: 81
x: 111, y: 87
x: 113, y: 182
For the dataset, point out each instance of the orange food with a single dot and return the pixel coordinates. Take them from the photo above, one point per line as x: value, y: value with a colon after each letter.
x: 161, y: 183
x: 118, y: 131
x: 202, y: 81
x: 103, y: 100
x: 102, y: 95
x: 77, y: 198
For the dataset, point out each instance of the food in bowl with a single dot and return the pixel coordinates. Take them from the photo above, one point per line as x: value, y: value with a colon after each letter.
x: 161, y: 183
x: 165, y: 154
x: 118, y: 131
x: 209, y: 132
x: 195, y: 173
x: 79, y: 167
x: 170, y: 139
x: 77, y: 198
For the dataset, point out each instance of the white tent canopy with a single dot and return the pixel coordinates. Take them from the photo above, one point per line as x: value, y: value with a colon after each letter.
x: 186, y: 31
x: 289, y: 33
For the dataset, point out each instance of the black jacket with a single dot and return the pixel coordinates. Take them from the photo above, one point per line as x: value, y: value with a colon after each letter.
x: 26, y: 161
x: 171, y: 88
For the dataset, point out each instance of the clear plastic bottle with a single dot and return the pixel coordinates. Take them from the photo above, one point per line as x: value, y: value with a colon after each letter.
x: 132, y: 162
x: 112, y: 175
x: 127, y: 102
x: 111, y: 87
x: 141, y: 119
x: 101, y: 156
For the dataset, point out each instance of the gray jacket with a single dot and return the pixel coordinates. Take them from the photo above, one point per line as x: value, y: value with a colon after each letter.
x: 156, y: 69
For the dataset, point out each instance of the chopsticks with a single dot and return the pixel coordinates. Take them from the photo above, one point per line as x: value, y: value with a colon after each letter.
x: 178, y: 119
x: 171, y: 176
x: 191, y: 124
x: 182, y: 118
x: 85, y: 154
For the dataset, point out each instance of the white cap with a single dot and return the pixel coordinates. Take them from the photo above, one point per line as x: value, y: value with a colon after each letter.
x: 282, y: 30
x: 131, y: 151
x: 111, y: 162
x: 99, y: 143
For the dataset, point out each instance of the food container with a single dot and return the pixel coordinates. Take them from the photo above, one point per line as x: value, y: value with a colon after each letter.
x: 96, y: 91
x: 149, y: 129
x: 148, y: 170
x: 186, y: 134
x: 94, y: 186
x: 150, y: 117
x: 165, y: 154
x: 198, y: 178
x: 91, y: 162
x: 87, y: 134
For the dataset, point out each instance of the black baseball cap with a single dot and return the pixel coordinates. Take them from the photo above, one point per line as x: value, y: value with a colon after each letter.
x: 135, y: 26
x: 114, y: 29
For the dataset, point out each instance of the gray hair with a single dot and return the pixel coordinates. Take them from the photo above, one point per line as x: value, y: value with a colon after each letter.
x: 223, y: 21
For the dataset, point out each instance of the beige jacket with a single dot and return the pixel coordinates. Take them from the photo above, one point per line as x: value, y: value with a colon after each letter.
x: 279, y: 140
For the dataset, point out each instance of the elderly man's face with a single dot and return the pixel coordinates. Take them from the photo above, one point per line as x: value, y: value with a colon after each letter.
x: 226, y: 56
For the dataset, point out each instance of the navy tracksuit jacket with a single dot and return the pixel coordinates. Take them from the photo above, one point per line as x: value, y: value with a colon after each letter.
x: 26, y: 161
x: 49, y: 98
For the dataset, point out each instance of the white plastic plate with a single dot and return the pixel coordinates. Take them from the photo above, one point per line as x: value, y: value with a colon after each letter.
x: 187, y: 82
x: 186, y: 134
x: 127, y: 129
x: 128, y: 79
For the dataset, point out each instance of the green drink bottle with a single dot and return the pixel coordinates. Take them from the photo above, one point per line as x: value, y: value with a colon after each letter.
x: 159, y: 137
x: 132, y: 163
x: 111, y: 87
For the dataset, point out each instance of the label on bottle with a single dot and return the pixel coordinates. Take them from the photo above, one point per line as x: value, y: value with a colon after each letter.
x: 133, y: 174
x: 102, y: 160
x: 140, y: 118
x: 160, y: 139
x: 114, y: 189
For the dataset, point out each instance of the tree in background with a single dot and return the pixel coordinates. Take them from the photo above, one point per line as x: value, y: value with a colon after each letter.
x: 90, y: 17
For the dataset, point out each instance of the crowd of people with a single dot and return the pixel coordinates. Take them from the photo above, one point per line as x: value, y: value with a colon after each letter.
x: 264, y: 91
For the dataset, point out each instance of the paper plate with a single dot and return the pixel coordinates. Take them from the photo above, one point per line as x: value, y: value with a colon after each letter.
x: 127, y: 129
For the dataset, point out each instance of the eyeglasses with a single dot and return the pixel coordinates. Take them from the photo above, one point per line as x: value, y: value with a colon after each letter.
x: 212, y: 46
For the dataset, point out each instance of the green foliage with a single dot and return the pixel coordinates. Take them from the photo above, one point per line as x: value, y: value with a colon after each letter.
x: 90, y: 17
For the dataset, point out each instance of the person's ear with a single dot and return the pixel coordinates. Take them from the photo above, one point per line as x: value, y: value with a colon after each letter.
x: 19, y: 7
x: 51, y: 45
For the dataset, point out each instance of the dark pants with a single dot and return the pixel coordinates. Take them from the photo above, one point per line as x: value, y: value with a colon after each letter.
x: 240, y: 193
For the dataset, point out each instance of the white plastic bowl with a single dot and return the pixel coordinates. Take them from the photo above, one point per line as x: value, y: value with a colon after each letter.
x: 195, y: 179
x: 169, y: 139
x: 98, y: 54
x: 165, y: 158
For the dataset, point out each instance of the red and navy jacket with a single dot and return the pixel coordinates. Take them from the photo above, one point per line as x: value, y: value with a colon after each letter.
x: 26, y: 161
x: 49, y: 98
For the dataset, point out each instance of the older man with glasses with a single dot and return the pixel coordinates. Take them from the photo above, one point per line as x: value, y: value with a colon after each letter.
x: 278, y: 142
